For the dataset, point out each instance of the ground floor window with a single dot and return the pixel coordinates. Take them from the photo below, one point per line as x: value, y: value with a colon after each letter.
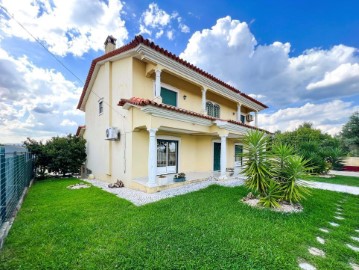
x: 238, y: 151
x: 167, y: 156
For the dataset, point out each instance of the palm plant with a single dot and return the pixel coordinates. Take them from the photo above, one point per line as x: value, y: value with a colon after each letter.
x: 256, y: 161
x: 281, y: 152
x: 272, y: 195
x: 295, y: 168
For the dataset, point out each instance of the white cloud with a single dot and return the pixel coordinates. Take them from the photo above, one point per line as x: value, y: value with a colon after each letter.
x: 344, y: 74
x: 156, y: 20
x: 71, y: 26
x: 329, y: 116
x: 67, y: 122
x: 155, y: 17
x: 170, y: 35
x: 269, y: 70
x: 34, y: 101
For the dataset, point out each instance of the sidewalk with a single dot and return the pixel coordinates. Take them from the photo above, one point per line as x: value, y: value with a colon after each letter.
x: 333, y: 187
x: 345, y: 173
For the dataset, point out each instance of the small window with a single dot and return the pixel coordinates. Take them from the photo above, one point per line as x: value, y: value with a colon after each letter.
x: 100, y: 106
x: 169, y: 97
x: 243, y: 119
x: 213, y: 110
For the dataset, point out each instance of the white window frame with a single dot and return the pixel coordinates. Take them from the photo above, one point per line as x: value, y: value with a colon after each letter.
x: 214, y: 103
x: 171, y: 138
x: 169, y: 87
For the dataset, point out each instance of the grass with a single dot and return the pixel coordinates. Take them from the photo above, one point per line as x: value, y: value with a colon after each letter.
x: 58, y: 228
x: 338, y: 179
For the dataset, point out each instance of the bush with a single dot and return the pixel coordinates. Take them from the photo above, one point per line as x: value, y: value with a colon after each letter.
x: 275, y: 173
x: 59, y: 155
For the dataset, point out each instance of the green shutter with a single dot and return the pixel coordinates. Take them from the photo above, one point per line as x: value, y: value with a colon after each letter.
x: 169, y: 97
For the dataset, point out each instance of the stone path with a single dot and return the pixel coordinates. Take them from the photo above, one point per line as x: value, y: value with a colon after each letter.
x: 344, y: 173
x: 315, y: 251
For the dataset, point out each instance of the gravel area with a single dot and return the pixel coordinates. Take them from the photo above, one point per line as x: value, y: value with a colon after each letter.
x: 141, y: 198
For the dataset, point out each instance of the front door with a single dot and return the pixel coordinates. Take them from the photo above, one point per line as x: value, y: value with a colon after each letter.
x: 216, y: 156
x: 167, y: 156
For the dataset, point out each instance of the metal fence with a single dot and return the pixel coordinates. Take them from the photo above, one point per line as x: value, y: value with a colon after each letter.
x: 16, y: 172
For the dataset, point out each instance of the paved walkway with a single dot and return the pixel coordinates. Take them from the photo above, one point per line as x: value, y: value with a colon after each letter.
x: 333, y: 187
x: 344, y: 173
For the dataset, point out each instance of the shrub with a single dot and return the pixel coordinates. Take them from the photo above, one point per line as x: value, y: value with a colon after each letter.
x: 275, y: 173
x: 256, y: 161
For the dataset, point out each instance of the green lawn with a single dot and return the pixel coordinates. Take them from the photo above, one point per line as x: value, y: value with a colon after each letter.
x: 338, y: 179
x: 59, y: 228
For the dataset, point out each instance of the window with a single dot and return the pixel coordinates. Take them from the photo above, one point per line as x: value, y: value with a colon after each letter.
x: 213, y: 109
x: 243, y: 119
x: 238, y: 152
x: 100, y: 106
x: 169, y: 97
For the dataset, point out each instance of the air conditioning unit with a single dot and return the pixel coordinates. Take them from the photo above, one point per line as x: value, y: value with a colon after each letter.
x: 112, y: 134
x: 249, y: 118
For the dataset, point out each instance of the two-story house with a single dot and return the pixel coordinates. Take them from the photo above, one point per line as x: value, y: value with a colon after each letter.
x: 149, y: 114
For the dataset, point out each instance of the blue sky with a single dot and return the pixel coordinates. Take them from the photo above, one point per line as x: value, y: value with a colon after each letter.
x: 299, y: 57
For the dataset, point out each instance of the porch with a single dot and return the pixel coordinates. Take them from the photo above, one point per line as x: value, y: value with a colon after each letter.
x: 165, y: 182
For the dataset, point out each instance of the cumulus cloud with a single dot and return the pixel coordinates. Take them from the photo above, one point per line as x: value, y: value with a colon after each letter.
x: 268, y: 70
x: 157, y: 21
x: 43, y: 98
x: 82, y: 28
x: 329, y: 116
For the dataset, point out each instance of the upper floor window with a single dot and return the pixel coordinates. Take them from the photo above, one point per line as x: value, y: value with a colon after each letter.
x: 243, y: 119
x: 100, y: 106
x: 168, y: 96
x: 213, y: 109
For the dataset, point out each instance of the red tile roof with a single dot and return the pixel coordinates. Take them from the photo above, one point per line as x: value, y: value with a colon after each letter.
x: 144, y: 102
x: 140, y: 40
x: 79, y: 128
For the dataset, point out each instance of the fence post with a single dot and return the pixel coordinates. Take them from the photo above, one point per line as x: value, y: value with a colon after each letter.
x: 2, y: 185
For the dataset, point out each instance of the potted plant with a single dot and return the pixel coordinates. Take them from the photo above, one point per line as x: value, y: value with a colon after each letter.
x: 181, y: 177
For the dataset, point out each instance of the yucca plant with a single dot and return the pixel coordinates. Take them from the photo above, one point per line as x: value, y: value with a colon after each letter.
x: 256, y: 161
x: 272, y: 195
x: 295, y: 168
x: 281, y: 152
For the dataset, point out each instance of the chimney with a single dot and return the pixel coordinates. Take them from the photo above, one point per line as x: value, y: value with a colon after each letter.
x: 110, y: 44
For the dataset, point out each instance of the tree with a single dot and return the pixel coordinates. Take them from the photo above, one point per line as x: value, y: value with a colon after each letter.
x: 322, y: 150
x: 42, y: 159
x: 350, y: 134
x: 60, y: 155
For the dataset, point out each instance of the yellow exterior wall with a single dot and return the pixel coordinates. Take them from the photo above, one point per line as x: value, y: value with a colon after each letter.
x: 351, y: 161
x: 109, y: 160
x: 127, y: 158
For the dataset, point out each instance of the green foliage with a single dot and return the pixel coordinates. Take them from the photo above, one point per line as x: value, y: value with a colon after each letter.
x: 206, y: 229
x: 321, y: 150
x: 272, y: 195
x: 295, y: 169
x: 274, y: 173
x: 256, y: 161
x: 350, y: 134
x: 42, y: 158
x: 60, y: 155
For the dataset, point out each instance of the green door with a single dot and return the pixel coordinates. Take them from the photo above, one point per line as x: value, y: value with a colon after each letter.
x: 169, y: 97
x: 216, y: 156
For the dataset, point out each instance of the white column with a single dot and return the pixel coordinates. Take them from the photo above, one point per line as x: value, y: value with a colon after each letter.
x: 158, y: 83
x: 204, y: 109
x: 238, y: 112
x: 223, y: 156
x: 256, y: 118
x: 152, y: 157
